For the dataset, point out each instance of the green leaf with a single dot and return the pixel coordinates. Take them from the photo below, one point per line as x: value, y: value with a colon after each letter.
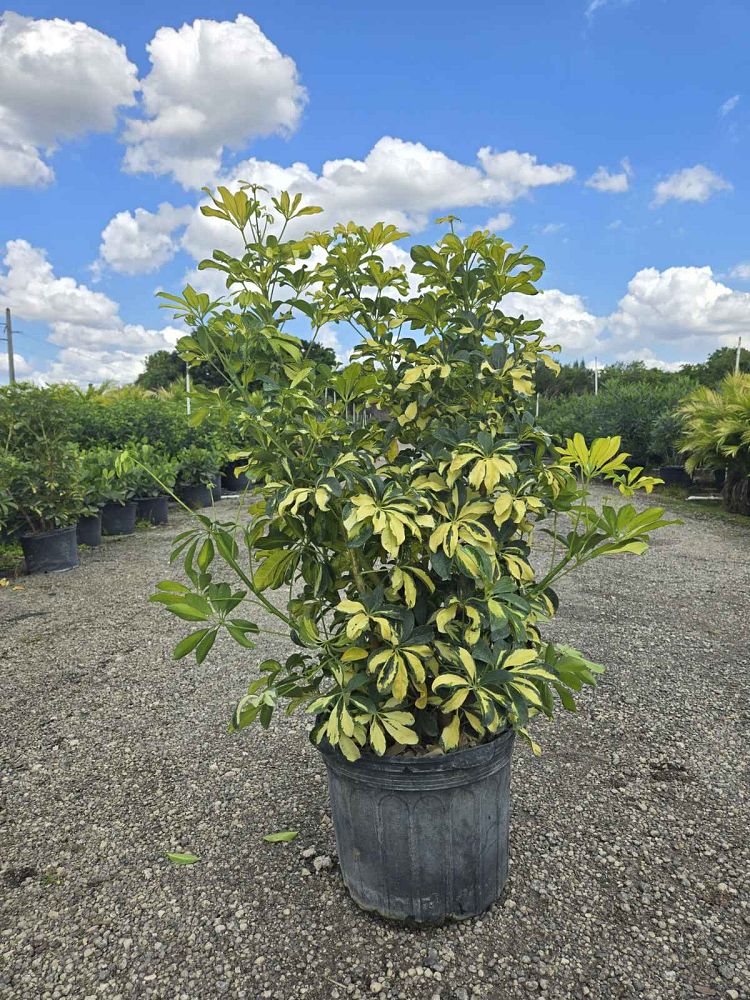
x: 182, y: 859
x: 188, y: 644
x: 283, y: 837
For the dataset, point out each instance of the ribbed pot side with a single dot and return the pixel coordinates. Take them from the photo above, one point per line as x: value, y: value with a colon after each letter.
x: 423, y: 838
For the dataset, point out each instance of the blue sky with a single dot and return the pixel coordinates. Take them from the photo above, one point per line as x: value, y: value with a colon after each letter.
x: 616, y: 138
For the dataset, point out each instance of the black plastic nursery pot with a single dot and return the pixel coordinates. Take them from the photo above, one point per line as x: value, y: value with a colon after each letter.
x: 118, y: 518
x: 423, y: 839
x: 89, y: 530
x: 232, y: 482
x: 675, y: 475
x: 216, y: 488
x: 155, y: 510
x: 50, y: 551
x: 195, y: 496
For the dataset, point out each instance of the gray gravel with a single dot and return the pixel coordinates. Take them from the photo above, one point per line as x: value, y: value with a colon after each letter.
x: 630, y: 853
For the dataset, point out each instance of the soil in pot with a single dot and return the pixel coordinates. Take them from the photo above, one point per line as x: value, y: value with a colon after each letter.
x: 216, y: 488
x: 195, y: 496
x: 118, y: 518
x: 423, y: 839
x: 675, y: 475
x: 50, y: 551
x: 89, y: 530
x: 232, y: 482
x: 155, y: 510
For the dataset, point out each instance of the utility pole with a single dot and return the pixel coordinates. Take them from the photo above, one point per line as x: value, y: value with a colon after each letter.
x: 737, y: 356
x: 9, y: 338
x: 596, y: 377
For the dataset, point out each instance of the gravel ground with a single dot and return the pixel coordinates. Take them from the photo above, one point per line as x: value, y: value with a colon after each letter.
x: 630, y: 853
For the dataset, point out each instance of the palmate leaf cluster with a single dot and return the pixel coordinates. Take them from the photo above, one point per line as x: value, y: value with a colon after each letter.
x: 395, y: 550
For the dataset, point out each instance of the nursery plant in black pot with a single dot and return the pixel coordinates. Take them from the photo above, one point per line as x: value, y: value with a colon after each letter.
x: 196, y: 473
x: 233, y: 480
x: 665, y: 443
x: 151, y: 487
x: 46, y: 499
x: 399, y: 551
x: 116, y: 492
x: 93, y: 482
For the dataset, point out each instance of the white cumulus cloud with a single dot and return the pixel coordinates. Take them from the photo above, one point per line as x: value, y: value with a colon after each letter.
x: 696, y: 183
x: 499, y: 222
x: 741, y: 271
x: 213, y: 85
x: 401, y: 182
x: 58, y: 80
x: 680, y: 304
x: 95, y: 343
x: 140, y: 242
x: 566, y: 319
x: 609, y: 182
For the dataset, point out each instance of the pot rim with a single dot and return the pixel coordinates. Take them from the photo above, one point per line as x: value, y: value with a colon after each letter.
x: 417, y: 774
x: 48, y: 534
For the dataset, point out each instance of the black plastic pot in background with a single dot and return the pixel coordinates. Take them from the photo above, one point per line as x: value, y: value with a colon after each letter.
x: 216, y: 488
x: 675, y: 475
x: 195, y: 496
x: 155, y: 510
x: 232, y: 482
x: 89, y: 530
x: 118, y: 518
x: 423, y: 838
x: 50, y: 551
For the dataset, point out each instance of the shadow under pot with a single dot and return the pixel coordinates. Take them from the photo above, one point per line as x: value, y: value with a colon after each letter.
x: 423, y: 839
x: 118, y: 518
x: 195, y: 496
x: 89, y: 530
x: 155, y: 510
x: 50, y: 551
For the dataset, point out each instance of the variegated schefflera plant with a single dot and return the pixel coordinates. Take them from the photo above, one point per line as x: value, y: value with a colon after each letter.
x: 394, y: 551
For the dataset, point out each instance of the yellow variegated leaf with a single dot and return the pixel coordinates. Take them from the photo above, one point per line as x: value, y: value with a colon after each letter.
x: 519, y: 657
x: 349, y: 748
x: 449, y: 735
x: 467, y: 662
x: 354, y: 653
x: 448, y: 680
x: 401, y: 682
x: 444, y: 616
x: 347, y: 722
x: 456, y: 700
x: 377, y: 738
x: 350, y: 607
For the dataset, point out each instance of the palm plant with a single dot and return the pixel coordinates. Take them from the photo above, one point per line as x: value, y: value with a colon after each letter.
x: 717, y: 436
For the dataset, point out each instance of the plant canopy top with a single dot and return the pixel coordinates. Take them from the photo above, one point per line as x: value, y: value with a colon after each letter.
x: 402, y: 546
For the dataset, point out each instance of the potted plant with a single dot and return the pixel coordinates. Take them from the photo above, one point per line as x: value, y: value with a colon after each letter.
x: 45, y: 501
x: 717, y: 436
x: 89, y: 525
x: 152, y: 477
x: 196, y: 475
x: 116, y: 490
x: 232, y: 479
x: 402, y: 547
x: 665, y: 444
